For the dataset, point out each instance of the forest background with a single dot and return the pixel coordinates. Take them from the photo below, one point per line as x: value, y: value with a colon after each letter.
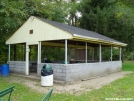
x: 112, y: 18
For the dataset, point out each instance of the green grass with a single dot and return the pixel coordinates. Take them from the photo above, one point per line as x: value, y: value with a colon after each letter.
x: 21, y: 92
x: 121, y: 88
x: 128, y: 66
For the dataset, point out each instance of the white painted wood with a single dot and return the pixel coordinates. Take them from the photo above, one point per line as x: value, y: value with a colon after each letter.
x: 100, y: 55
x: 66, y: 51
x: 9, y: 52
x: 120, y: 54
x: 27, y: 60
x: 42, y: 31
x: 111, y: 54
x: 86, y: 52
x: 32, y: 43
x: 39, y: 52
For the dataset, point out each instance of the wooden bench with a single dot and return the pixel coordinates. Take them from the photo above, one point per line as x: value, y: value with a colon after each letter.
x: 5, y: 92
x: 47, y: 96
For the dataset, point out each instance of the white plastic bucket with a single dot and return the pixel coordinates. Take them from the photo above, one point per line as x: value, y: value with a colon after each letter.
x: 47, y: 80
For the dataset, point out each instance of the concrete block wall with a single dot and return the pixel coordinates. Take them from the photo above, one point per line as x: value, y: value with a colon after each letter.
x: 59, y: 71
x: 17, y: 66
x: 89, y: 70
x: 73, y: 72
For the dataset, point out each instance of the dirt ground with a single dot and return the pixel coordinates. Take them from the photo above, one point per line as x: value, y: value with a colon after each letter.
x: 76, y: 88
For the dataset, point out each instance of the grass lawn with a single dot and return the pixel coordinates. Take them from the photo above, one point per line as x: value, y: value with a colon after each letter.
x: 128, y: 66
x: 121, y: 88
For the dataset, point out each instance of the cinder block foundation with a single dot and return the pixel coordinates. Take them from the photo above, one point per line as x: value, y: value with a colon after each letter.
x: 72, y: 72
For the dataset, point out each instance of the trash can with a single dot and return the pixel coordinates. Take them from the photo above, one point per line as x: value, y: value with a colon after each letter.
x: 4, y: 70
x: 47, y: 75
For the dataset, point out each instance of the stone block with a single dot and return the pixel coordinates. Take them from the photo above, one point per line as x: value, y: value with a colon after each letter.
x: 59, y: 70
x: 59, y: 74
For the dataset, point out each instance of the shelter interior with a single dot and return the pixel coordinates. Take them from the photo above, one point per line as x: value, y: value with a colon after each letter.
x: 54, y: 52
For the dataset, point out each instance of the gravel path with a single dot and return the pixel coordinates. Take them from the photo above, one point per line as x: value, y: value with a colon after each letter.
x: 76, y: 88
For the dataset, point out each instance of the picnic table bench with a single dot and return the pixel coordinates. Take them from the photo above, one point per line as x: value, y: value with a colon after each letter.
x: 47, y: 96
x: 5, y: 92
x: 10, y: 90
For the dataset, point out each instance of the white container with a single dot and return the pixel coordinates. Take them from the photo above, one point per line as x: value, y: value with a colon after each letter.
x: 47, y: 80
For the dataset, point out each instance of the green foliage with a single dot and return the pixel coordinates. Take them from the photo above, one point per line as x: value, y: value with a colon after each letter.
x: 13, y: 13
x: 33, y: 53
x: 10, y: 13
x: 54, y: 10
x: 111, y: 18
x: 53, y: 53
x: 106, y: 53
x: 128, y: 66
x: 128, y: 56
x: 72, y: 12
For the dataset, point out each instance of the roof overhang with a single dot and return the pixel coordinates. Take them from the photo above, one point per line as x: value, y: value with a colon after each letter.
x: 98, y: 41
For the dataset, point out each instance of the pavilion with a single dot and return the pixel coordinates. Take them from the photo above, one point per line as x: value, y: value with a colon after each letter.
x: 41, y: 32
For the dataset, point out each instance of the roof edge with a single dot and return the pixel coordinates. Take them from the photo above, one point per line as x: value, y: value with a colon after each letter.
x: 100, y: 40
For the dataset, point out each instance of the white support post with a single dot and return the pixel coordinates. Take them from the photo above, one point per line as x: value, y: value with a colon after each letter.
x: 111, y: 54
x: 9, y: 52
x: 65, y: 51
x: 39, y: 52
x: 100, y: 55
x: 38, y: 61
x: 120, y: 53
x: 86, y: 52
x: 27, y: 60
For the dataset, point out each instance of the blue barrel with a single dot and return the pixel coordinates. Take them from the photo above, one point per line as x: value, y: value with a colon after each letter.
x: 0, y: 69
x: 5, y: 70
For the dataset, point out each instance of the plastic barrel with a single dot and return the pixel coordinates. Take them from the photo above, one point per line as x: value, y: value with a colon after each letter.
x: 47, y: 75
x: 5, y: 70
x: 0, y: 69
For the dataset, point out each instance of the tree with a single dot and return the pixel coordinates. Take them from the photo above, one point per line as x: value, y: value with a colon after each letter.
x: 111, y: 18
x: 54, y: 10
x: 10, y: 13
x: 13, y: 13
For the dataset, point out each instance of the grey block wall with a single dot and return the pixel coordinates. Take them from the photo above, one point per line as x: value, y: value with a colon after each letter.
x: 17, y: 66
x: 74, y: 72
x: 89, y: 70
x: 59, y: 71
x: 71, y: 72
